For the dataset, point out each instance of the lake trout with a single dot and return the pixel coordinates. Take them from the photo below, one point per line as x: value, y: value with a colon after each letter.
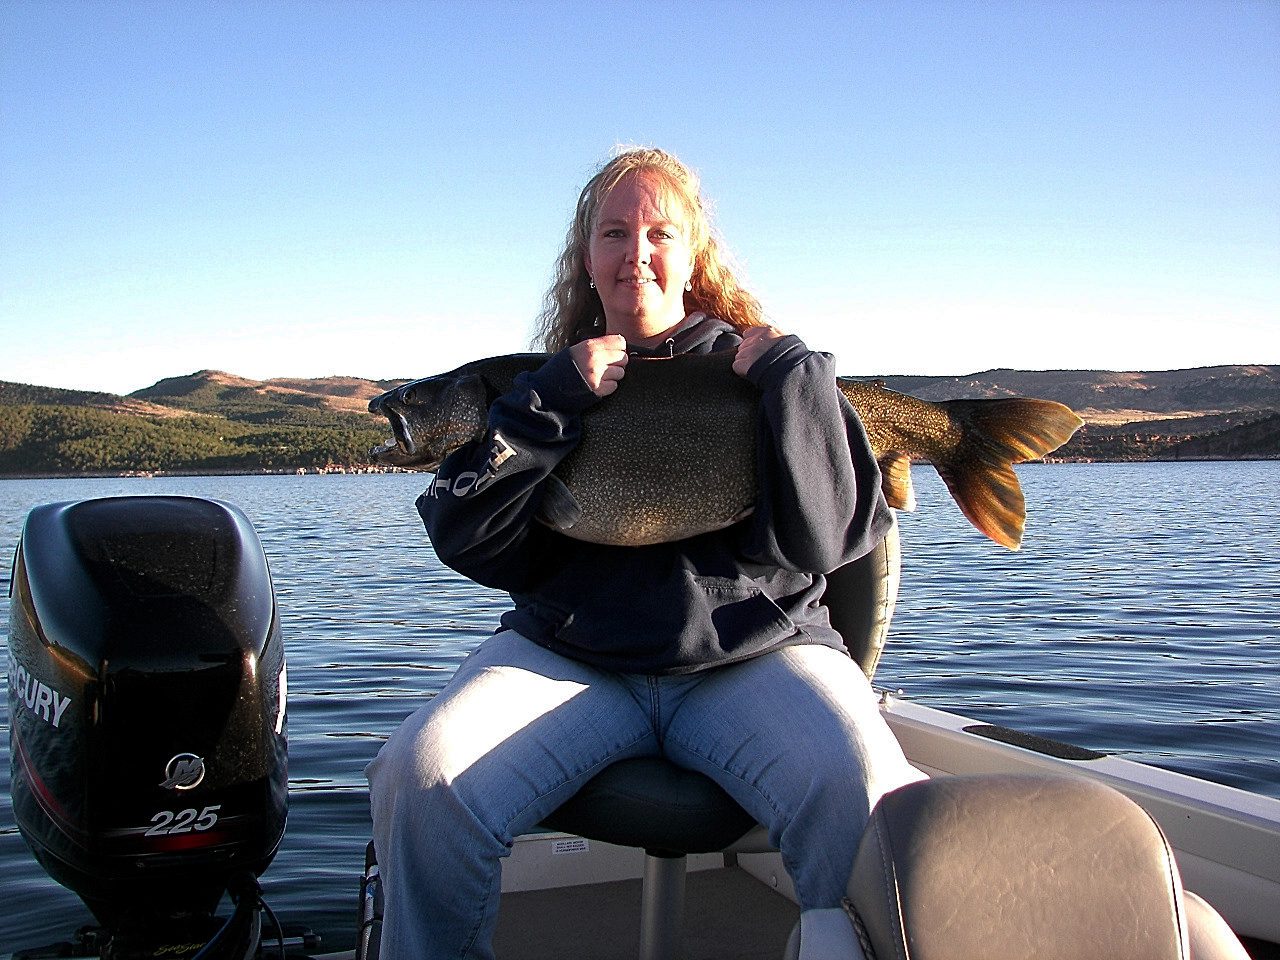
x: 671, y: 453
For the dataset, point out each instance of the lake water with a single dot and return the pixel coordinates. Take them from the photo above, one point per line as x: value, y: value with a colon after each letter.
x: 1141, y: 617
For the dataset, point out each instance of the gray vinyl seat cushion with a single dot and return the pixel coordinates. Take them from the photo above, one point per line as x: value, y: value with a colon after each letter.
x: 649, y: 802
x: 1024, y: 868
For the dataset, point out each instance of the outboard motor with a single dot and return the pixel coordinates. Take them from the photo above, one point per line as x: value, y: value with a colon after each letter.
x: 147, y: 706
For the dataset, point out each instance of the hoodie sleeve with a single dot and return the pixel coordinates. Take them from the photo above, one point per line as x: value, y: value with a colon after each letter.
x: 819, y: 503
x: 480, y: 507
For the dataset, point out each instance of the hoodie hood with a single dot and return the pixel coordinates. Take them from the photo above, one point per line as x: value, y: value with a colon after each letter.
x: 697, y: 333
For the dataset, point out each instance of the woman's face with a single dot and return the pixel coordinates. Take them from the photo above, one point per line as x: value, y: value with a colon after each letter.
x: 640, y: 259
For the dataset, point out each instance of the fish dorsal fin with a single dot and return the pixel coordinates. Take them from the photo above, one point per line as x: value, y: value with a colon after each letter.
x: 895, y: 481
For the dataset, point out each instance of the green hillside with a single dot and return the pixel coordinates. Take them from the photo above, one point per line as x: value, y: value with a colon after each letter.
x: 206, y: 422
x: 13, y: 393
x: 44, y: 439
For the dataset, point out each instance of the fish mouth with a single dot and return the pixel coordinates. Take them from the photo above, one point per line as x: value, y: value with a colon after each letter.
x: 400, y: 450
x: 400, y: 445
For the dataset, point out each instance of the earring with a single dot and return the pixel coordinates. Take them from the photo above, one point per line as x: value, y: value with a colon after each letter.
x: 592, y: 283
x: 688, y: 287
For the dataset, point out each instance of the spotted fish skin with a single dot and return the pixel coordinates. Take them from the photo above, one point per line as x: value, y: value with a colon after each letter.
x: 973, y: 444
x: 671, y: 453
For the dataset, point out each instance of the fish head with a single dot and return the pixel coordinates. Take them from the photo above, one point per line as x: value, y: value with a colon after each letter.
x: 429, y: 419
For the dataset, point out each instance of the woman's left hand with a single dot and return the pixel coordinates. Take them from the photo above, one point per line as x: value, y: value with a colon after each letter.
x: 755, y: 343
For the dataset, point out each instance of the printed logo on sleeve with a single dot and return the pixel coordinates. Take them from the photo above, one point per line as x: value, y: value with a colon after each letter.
x: 499, y: 453
x: 469, y: 481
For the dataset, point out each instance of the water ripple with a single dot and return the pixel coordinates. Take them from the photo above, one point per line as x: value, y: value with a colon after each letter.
x: 1139, y: 618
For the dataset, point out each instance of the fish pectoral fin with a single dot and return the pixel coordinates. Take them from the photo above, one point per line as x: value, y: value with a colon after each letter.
x: 895, y: 481
x: 559, y: 509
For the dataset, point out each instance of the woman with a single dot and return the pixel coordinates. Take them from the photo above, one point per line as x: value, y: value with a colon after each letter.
x: 713, y: 651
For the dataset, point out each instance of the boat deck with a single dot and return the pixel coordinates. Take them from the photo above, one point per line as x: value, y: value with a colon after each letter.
x: 729, y: 914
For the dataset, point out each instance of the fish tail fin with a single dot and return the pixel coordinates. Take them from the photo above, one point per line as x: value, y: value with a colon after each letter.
x: 991, y: 497
x: 895, y: 481
x: 998, y: 434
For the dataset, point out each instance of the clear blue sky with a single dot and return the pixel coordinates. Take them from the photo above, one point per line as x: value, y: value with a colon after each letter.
x: 379, y: 188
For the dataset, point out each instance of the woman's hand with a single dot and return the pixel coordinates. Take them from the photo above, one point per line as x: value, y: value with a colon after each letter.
x: 602, y: 362
x: 755, y: 343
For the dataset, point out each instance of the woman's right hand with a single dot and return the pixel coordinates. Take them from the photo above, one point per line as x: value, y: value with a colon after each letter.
x: 602, y: 362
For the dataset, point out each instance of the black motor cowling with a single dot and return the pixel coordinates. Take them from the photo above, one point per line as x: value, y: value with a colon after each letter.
x: 147, y: 704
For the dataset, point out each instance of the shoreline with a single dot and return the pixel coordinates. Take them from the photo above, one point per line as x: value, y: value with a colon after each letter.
x: 373, y: 470
x: 159, y: 474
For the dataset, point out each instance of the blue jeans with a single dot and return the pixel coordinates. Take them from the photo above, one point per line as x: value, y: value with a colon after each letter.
x: 794, y: 736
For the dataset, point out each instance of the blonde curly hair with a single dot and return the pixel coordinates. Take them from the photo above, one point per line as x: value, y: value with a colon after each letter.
x: 572, y: 310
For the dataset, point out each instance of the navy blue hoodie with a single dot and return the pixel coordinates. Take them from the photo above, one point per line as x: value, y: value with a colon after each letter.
x: 679, y: 607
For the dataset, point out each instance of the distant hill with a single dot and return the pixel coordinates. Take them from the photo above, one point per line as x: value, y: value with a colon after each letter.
x: 1258, y: 439
x: 1206, y: 412
x: 206, y: 422
x: 1106, y: 396
x: 1233, y: 436
x: 212, y: 421
x: 17, y: 393
x: 355, y: 389
x: 266, y: 401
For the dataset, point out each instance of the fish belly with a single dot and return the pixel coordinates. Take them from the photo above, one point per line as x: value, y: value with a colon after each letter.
x: 666, y: 457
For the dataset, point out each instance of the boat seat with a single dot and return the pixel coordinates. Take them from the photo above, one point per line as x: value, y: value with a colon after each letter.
x: 670, y: 812
x: 1016, y: 867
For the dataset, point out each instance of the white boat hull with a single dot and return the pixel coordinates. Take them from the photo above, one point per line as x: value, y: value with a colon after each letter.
x: 1226, y: 841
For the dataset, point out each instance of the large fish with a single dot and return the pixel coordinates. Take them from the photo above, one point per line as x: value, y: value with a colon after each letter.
x: 671, y: 453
